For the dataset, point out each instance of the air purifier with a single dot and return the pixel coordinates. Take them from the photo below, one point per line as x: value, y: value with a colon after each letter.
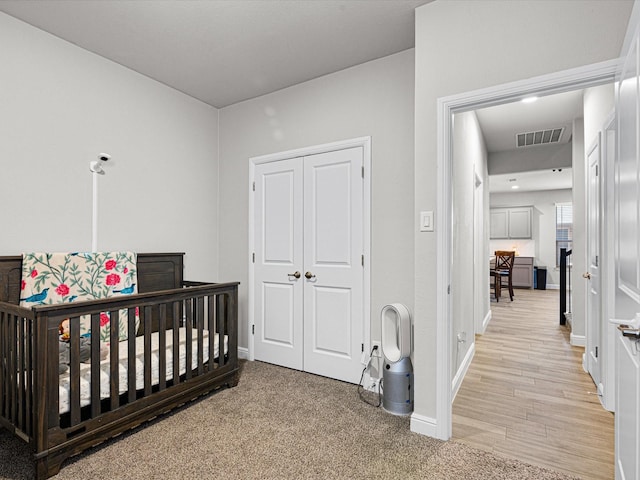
x: 397, y: 370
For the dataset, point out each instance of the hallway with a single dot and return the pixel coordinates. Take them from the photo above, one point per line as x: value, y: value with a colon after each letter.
x: 526, y: 395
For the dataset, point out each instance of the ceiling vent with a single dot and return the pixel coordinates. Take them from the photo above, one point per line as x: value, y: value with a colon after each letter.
x: 539, y: 137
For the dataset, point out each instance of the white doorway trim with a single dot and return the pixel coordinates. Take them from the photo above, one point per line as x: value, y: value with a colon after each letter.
x: 479, y: 256
x: 574, y: 79
x: 607, y: 286
x: 365, y: 143
x: 594, y: 319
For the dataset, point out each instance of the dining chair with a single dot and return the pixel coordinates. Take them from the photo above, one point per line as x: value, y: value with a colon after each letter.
x: 497, y: 283
x: 504, y: 268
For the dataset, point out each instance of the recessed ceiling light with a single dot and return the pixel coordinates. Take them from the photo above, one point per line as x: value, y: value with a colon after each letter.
x: 529, y: 99
x: 515, y: 187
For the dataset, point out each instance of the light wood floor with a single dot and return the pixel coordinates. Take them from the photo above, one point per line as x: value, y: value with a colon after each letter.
x: 526, y: 395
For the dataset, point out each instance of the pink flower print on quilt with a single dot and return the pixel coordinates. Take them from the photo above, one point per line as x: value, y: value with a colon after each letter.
x: 79, y: 277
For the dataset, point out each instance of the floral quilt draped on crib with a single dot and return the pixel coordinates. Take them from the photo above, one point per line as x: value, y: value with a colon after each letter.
x: 54, y: 278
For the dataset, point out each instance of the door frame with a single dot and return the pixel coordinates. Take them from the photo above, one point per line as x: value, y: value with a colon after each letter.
x: 365, y: 143
x: 607, y: 272
x: 564, y: 81
x: 594, y: 319
x: 480, y: 292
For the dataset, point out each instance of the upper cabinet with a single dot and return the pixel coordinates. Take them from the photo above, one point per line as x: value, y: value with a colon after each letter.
x: 512, y: 222
x: 499, y: 223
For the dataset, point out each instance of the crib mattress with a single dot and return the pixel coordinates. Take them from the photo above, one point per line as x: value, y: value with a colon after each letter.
x: 85, y: 369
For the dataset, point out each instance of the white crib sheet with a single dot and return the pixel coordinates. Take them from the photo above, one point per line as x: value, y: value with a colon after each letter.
x: 85, y: 369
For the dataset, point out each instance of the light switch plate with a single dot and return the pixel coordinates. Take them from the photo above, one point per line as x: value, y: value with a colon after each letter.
x: 426, y: 221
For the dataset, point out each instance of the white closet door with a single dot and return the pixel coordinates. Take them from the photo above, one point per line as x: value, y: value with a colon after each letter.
x: 333, y: 246
x: 278, y: 263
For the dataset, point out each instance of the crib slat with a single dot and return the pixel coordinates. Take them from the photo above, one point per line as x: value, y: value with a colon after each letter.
x: 4, y: 321
x: 29, y: 364
x: 220, y: 324
x: 147, y: 350
x: 131, y: 359
x: 46, y: 391
x: 6, y: 349
x: 162, y: 346
x: 19, y: 382
x: 131, y: 355
x: 189, y: 337
x: 13, y: 381
x: 114, y: 343
x: 24, y: 373
x: 200, y: 327
x: 22, y: 385
x: 177, y: 318
x: 12, y: 371
x: 74, y: 366
x: 211, y: 328
x: 95, y: 366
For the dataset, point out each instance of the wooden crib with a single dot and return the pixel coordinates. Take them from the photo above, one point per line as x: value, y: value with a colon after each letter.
x: 57, y: 423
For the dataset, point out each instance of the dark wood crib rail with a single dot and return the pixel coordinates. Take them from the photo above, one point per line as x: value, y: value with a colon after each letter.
x: 29, y: 376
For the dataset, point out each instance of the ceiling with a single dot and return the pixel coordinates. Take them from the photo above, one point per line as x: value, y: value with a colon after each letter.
x: 226, y: 51
x: 501, y: 124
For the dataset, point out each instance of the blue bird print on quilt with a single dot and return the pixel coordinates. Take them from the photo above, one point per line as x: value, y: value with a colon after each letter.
x: 127, y: 290
x: 37, y: 297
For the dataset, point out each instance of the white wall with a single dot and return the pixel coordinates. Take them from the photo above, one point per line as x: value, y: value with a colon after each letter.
x: 598, y: 104
x: 468, y: 45
x: 579, y: 244
x: 544, y: 225
x: 527, y: 159
x: 373, y: 99
x: 469, y: 275
x: 60, y: 107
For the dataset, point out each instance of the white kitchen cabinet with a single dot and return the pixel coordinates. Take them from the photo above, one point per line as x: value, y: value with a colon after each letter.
x: 499, y: 223
x: 512, y: 222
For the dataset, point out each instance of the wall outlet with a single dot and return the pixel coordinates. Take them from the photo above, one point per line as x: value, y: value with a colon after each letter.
x: 378, y: 352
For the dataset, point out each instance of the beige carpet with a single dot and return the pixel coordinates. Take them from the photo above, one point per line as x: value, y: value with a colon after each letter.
x: 277, y: 424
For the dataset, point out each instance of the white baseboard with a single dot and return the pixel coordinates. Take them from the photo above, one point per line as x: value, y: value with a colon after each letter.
x: 424, y: 425
x: 568, y: 316
x: 485, y: 322
x: 243, y: 353
x: 553, y: 286
x: 462, y: 371
x: 577, y: 340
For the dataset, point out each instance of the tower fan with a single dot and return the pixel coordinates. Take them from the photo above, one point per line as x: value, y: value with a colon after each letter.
x: 397, y: 370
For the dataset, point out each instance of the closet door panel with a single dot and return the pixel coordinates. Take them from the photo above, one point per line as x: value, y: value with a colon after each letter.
x: 333, y: 236
x: 278, y: 256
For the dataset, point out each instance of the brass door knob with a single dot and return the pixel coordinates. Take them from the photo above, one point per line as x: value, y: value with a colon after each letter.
x: 586, y: 275
x: 295, y: 274
x: 309, y: 275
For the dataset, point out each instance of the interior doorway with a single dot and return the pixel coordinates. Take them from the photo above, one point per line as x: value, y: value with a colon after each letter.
x: 555, y: 83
